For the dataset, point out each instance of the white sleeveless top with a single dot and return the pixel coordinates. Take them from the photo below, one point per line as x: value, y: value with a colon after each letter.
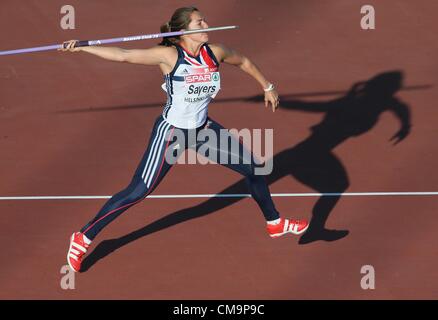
x: 191, y: 85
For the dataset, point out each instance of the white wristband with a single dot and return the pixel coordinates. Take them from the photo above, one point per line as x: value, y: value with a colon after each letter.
x: 269, y: 88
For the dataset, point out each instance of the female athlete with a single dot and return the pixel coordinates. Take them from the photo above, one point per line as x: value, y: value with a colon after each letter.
x: 191, y: 79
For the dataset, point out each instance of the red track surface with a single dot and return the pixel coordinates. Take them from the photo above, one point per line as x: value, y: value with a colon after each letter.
x: 73, y: 124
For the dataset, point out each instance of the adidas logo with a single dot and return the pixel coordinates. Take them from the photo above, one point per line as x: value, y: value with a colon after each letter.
x: 185, y: 71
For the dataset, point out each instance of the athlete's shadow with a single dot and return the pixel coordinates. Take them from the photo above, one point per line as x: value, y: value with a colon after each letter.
x: 312, y: 161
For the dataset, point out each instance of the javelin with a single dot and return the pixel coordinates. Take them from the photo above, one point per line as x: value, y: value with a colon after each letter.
x: 85, y: 43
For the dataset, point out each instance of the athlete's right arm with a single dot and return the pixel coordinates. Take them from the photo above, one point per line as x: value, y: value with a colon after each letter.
x: 151, y: 56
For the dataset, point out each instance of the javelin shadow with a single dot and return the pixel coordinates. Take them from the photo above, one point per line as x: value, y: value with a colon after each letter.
x: 256, y: 98
x: 311, y: 162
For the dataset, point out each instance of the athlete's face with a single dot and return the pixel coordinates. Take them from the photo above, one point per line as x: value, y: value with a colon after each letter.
x: 198, y: 22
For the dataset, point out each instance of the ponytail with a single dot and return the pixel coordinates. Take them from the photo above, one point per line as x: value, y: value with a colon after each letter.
x: 167, y: 41
x: 180, y: 20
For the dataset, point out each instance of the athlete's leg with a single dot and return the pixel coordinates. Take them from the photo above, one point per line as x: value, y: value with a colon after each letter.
x: 245, y: 166
x: 149, y: 173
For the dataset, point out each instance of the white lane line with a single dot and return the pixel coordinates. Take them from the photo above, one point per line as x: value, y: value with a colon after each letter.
x: 229, y: 195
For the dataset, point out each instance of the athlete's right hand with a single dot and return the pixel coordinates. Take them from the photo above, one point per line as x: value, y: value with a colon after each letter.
x: 70, y: 46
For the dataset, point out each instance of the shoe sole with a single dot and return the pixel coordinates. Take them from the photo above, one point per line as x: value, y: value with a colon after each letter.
x: 68, y: 253
x: 277, y: 235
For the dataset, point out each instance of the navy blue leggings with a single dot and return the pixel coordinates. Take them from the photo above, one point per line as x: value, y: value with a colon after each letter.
x: 153, y: 167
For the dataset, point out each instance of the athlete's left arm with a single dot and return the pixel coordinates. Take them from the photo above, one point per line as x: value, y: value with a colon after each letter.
x: 230, y: 56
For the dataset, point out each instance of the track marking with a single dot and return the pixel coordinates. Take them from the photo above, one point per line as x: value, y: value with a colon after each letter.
x: 230, y: 195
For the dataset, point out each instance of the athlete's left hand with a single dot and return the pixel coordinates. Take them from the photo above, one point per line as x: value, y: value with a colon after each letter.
x: 400, y: 135
x: 272, y: 97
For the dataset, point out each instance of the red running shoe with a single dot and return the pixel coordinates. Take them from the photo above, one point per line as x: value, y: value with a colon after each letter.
x: 287, y: 226
x: 79, y: 245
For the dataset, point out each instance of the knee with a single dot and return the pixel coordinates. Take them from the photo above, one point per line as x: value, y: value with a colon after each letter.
x: 248, y: 171
x: 341, y: 185
x: 257, y: 172
x: 136, y: 191
x: 252, y: 177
